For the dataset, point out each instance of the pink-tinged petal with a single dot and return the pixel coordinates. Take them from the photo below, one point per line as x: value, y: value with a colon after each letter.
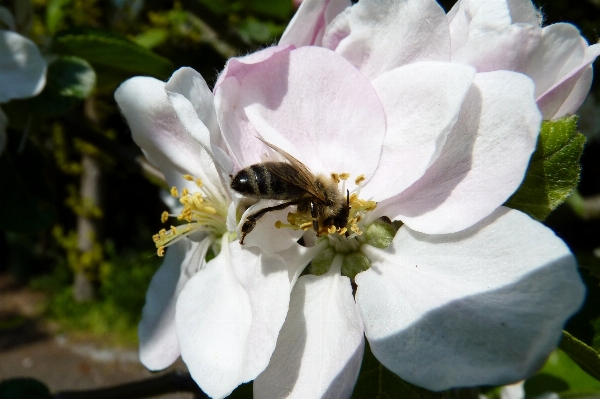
x: 308, y: 25
x: 481, y: 307
x: 243, y: 146
x: 3, y: 125
x: 239, y: 66
x: 311, y: 103
x: 159, y: 346
x: 229, y: 315
x: 321, y: 344
x: 483, y: 162
x: 577, y: 95
x: 22, y: 67
x: 560, y: 51
x: 157, y: 130
x: 421, y: 102
x: 523, y: 11
x: 384, y: 35
x: 505, y: 48
x: 570, y: 91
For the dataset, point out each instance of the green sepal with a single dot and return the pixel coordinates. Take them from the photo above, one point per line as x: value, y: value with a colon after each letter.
x: 553, y: 171
x: 19, y: 388
x: 322, y: 262
x: 586, y: 357
x: 380, y: 234
x: 377, y: 382
x: 355, y: 263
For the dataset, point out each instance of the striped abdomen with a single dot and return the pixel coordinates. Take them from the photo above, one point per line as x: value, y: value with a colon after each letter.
x: 258, y: 181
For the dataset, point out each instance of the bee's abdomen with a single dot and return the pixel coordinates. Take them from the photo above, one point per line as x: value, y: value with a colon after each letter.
x: 258, y: 182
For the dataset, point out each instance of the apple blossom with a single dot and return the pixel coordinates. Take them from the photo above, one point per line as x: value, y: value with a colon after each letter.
x: 22, y: 69
x: 222, y: 316
x: 488, y: 35
x: 466, y: 292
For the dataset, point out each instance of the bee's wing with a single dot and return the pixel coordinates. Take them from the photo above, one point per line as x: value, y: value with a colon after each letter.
x: 297, y: 174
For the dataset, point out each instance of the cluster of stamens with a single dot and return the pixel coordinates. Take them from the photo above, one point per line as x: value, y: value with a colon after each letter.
x: 358, y: 208
x: 202, y: 210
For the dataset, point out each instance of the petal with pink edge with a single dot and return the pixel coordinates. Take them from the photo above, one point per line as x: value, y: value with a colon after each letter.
x: 157, y: 130
x: 311, y: 103
x: 421, y: 102
x: 159, y: 346
x: 321, y: 344
x: 229, y: 315
x: 570, y: 91
x: 384, y: 35
x: 309, y: 23
x: 481, y: 307
x: 483, y: 162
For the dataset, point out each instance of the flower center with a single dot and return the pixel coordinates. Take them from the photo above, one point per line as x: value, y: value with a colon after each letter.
x: 356, y: 212
x: 203, y: 210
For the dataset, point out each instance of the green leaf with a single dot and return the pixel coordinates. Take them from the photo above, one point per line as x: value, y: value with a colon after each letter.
x: 586, y: 357
x: 68, y: 79
x: 377, y: 382
x: 563, y: 376
x: 101, y: 48
x: 55, y: 14
x: 19, y: 388
x: 553, y: 171
x: 271, y: 8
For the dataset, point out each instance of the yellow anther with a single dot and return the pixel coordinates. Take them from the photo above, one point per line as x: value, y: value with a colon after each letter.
x: 174, y: 192
x: 198, y: 196
x: 278, y: 224
x: 342, y: 231
x: 185, y: 192
x: 160, y: 251
x: 188, y: 177
x: 331, y: 229
x: 344, y: 176
x: 359, y: 179
x: 174, y: 230
x: 335, y: 177
x: 197, y: 201
x: 210, y: 209
x: 164, y: 216
x: 353, y: 197
x: 199, y: 182
x: 162, y: 233
x: 155, y: 237
x: 306, y: 226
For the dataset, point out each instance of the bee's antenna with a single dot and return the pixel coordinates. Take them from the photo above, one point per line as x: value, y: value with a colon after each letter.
x: 348, y: 198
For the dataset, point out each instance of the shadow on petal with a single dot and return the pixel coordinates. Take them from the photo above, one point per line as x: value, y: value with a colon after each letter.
x: 493, y: 338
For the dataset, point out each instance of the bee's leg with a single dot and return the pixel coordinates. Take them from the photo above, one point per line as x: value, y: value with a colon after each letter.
x: 314, y: 212
x: 251, y: 220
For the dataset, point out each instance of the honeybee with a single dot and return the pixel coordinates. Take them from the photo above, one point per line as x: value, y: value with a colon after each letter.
x: 294, y: 183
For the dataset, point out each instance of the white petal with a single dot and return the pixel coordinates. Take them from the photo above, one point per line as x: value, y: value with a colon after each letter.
x: 523, y: 11
x: 559, y: 52
x: 22, y: 67
x: 159, y: 347
x: 229, y: 315
x: 309, y: 23
x: 481, y: 307
x: 157, y: 130
x: 192, y: 86
x: 483, y: 162
x: 421, y: 102
x: 3, y: 125
x: 321, y: 344
x: 381, y: 35
x: 265, y: 235
x: 577, y: 95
